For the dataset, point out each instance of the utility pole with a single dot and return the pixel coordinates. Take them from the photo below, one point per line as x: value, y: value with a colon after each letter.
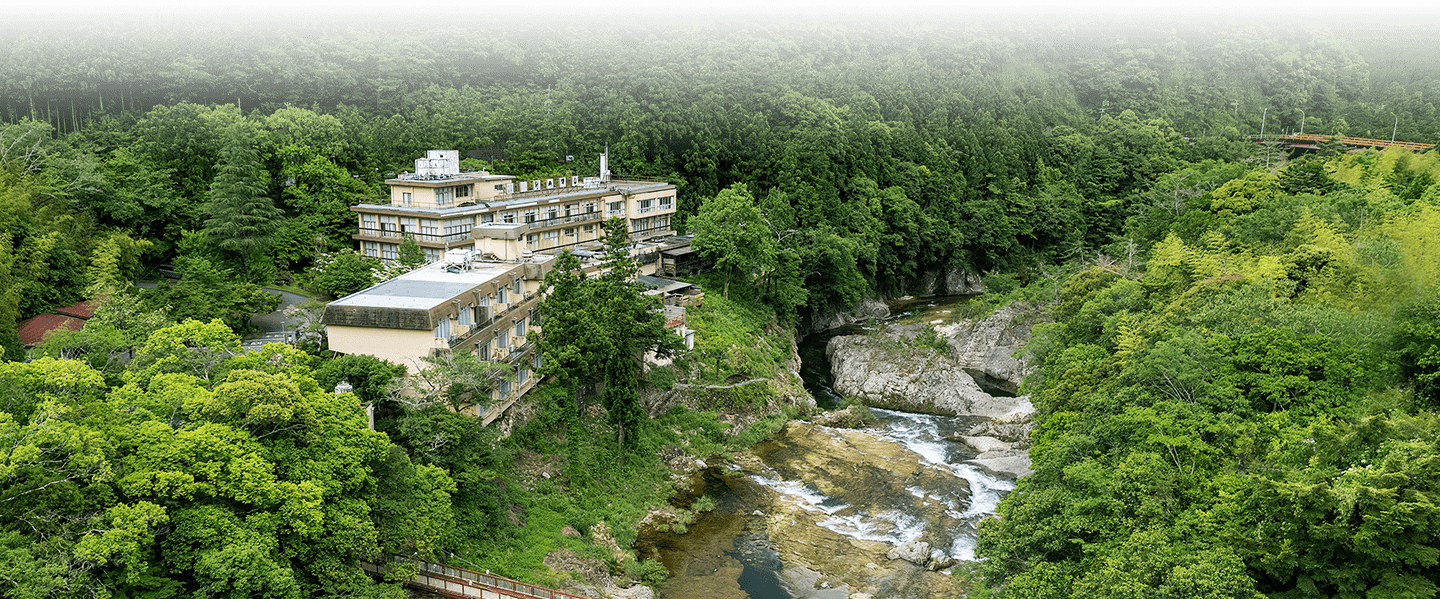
x: 1302, y: 122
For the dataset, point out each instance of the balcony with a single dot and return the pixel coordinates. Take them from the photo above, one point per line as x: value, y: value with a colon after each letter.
x: 498, y: 321
x: 370, y: 234
x: 565, y: 220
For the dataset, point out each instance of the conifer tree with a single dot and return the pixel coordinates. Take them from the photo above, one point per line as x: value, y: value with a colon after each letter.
x: 242, y: 217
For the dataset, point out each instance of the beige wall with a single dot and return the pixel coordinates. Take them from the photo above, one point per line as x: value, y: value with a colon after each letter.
x: 397, y: 346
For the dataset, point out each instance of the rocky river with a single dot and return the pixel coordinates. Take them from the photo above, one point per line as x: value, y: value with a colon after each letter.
x: 883, y: 510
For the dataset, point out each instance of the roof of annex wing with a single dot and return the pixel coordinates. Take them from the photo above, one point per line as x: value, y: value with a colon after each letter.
x: 32, y: 330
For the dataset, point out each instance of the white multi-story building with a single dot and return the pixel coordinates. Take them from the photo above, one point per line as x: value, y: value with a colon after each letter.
x: 440, y: 206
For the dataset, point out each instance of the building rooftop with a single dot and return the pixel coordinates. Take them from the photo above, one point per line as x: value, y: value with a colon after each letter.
x: 429, y: 285
x: 32, y: 330
x: 409, y: 178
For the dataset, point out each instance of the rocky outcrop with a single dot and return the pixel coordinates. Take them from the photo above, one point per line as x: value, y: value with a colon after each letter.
x: 977, y: 375
x: 899, y: 376
x: 986, y: 347
x: 867, y: 309
x: 593, y: 575
x: 950, y: 281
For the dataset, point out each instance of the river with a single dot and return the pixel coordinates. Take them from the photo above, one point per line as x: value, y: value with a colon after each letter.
x: 789, y: 514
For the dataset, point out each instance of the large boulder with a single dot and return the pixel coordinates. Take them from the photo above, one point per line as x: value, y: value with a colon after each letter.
x: 885, y: 372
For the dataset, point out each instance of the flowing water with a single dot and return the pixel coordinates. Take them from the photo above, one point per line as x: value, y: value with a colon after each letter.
x: 895, y: 483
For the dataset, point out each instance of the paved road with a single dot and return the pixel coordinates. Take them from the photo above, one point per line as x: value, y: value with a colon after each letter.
x: 278, y: 327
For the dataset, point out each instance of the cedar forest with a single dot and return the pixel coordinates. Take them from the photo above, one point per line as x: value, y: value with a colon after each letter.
x: 1236, y: 394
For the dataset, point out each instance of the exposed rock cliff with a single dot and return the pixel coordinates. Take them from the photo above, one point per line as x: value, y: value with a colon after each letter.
x: 890, y: 369
x: 949, y: 281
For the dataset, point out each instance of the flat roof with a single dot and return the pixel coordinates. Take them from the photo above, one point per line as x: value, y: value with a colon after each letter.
x: 438, y: 179
x: 425, y: 287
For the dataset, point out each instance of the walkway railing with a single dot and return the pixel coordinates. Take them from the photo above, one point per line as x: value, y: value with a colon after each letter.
x: 450, y: 581
x: 1348, y: 141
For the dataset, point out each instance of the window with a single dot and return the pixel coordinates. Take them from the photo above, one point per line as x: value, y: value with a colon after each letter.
x: 530, y: 239
x: 504, y: 389
x: 539, y: 362
x: 458, y: 227
x: 462, y: 191
x: 442, y: 330
x: 508, y: 217
x: 502, y: 339
x: 372, y: 249
x: 529, y: 216
x: 444, y: 196
x: 488, y: 217
x: 464, y: 316
x: 646, y: 206
x: 570, y: 209
x: 407, y: 225
x: 432, y: 254
x: 522, y: 376
x: 616, y: 208
x: 500, y: 187
x: 520, y: 287
x: 552, y: 213
x: 520, y: 328
x: 500, y: 296
x: 667, y: 202
x: 405, y: 198
x: 483, y: 351
x: 570, y: 232
x: 590, y: 229
x: 589, y: 207
x: 389, y: 251
x: 429, y: 226
x: 552, y: 234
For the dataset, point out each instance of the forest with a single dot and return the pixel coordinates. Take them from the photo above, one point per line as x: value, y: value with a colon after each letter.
x: 1236, y: 395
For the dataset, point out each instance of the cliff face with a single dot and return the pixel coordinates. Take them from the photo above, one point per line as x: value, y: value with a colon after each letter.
x: 949, y: 281
x: 977, y: 375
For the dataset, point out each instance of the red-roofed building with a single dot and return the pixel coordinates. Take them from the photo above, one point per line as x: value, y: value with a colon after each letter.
x: 82, y: 310
x: 32, y: 330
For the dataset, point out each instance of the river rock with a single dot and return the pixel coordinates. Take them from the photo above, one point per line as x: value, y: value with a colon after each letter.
x: 1012, y: 432
x: 915, y: 552
x: 985, y: 444
x: 1012, y: 464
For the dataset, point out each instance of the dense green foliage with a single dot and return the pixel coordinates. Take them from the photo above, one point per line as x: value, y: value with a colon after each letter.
x: 1251, y: 412
x: 876, y: 157
x: 206, y: 473
x: 1236, y: 396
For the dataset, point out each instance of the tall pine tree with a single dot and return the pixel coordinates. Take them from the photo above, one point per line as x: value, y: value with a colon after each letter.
x: 243, y: 218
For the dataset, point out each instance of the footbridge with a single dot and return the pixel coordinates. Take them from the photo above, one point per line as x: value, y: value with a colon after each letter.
x: 1313, y: 142
x: 447, y: 580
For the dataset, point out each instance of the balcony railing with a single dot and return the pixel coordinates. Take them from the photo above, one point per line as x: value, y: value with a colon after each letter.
x: 495, y: 323
x: 565, y: 220
x: 371, y: 233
